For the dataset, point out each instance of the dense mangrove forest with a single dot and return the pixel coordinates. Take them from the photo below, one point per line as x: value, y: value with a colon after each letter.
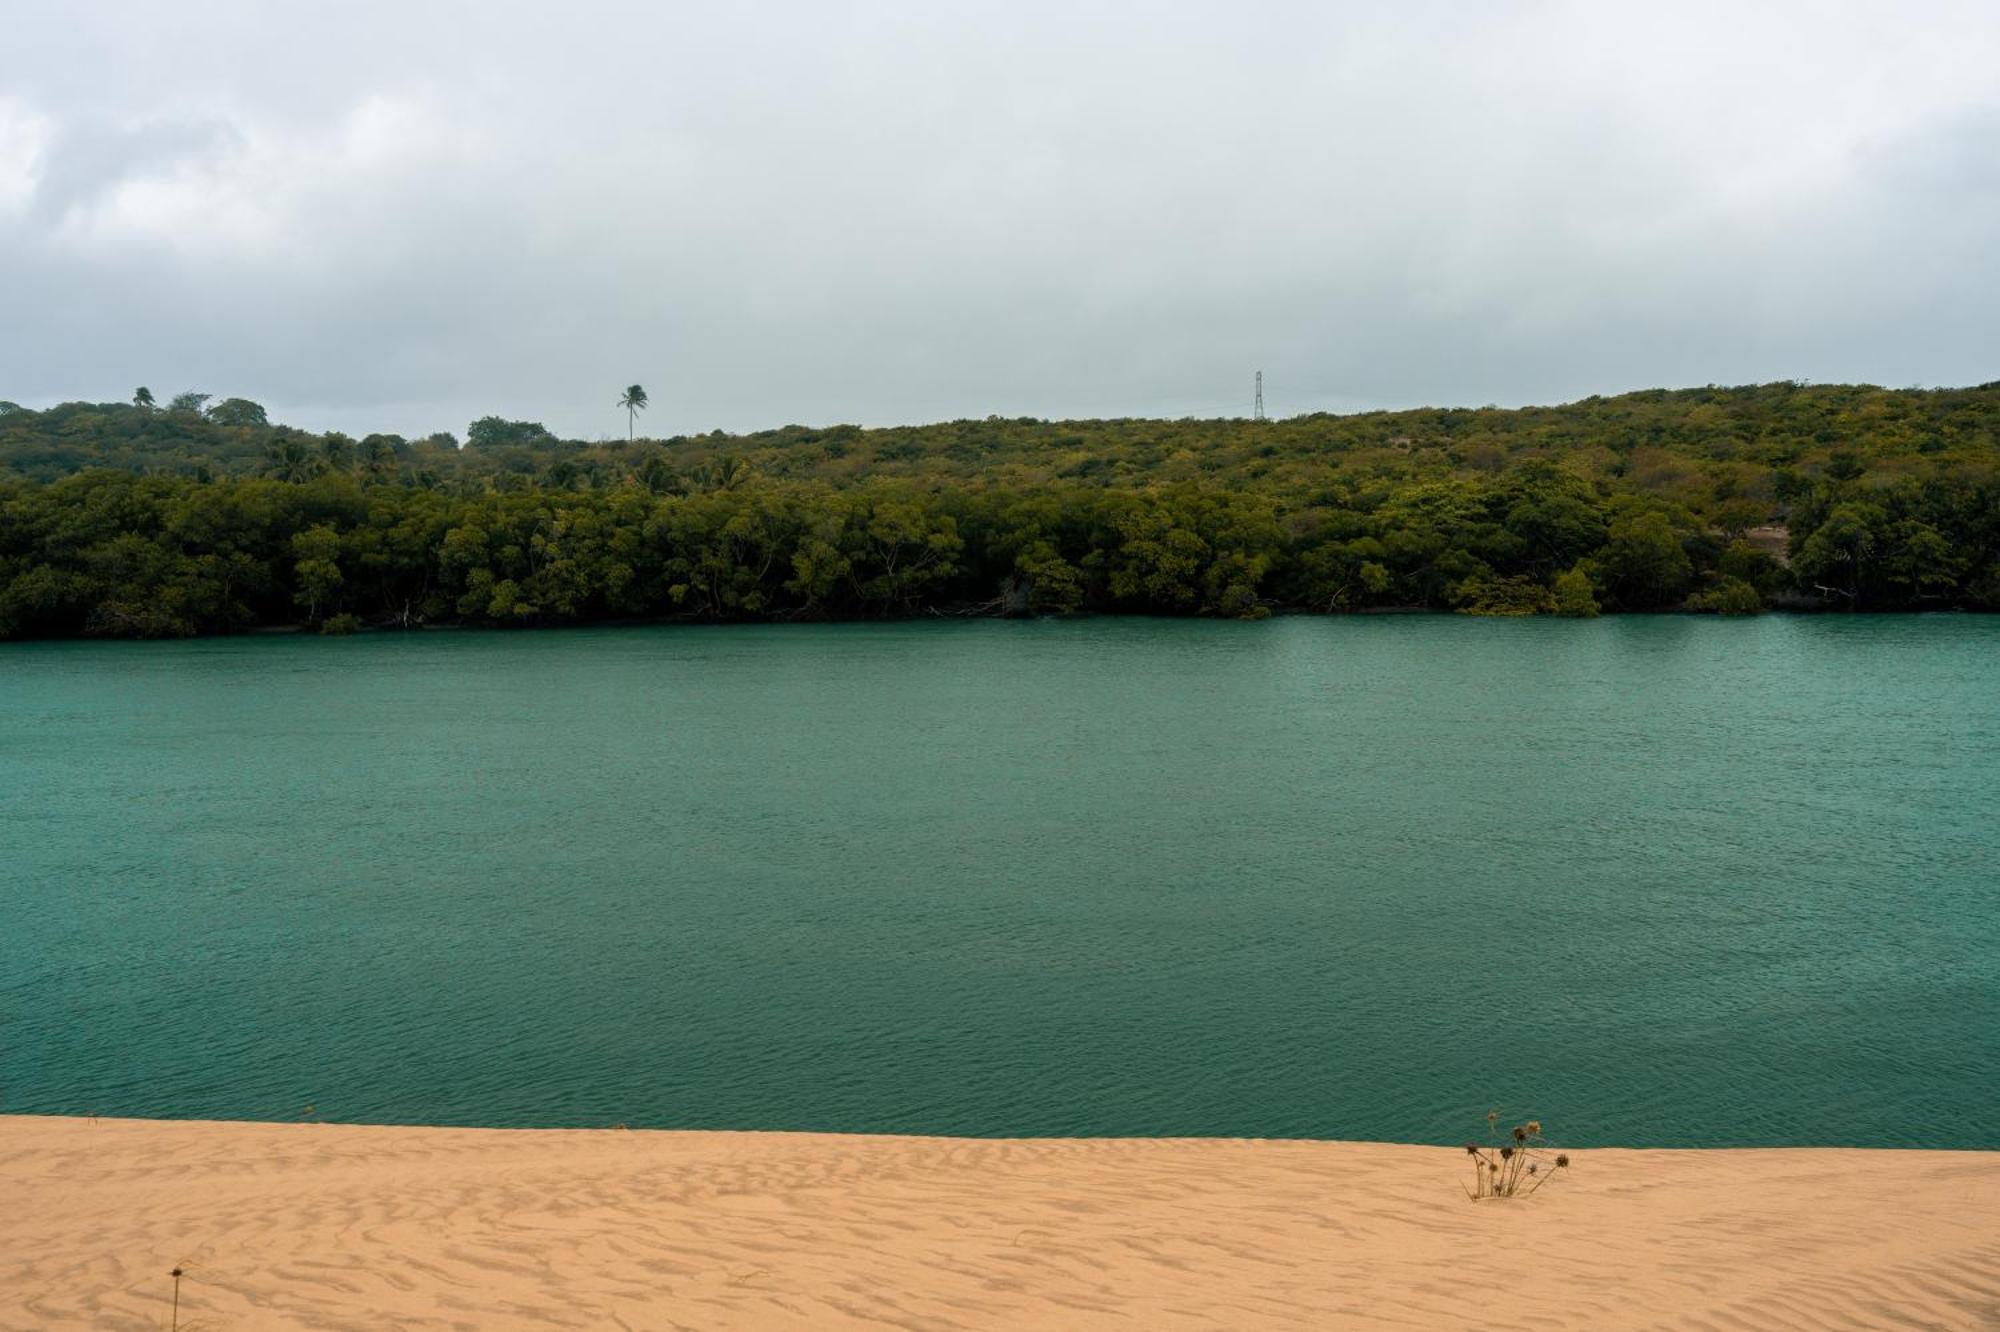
x: 201, y: 516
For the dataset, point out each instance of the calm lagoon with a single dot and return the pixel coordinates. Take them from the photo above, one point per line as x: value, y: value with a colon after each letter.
x: 1656, y: 880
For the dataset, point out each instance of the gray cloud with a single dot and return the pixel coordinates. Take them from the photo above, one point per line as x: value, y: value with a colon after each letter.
x: 399, y: 216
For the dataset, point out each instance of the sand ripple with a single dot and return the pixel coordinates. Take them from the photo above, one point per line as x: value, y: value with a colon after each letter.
x: 317, y: 1226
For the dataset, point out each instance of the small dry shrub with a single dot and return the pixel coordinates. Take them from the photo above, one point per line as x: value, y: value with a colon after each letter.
x: 1515, y: 1166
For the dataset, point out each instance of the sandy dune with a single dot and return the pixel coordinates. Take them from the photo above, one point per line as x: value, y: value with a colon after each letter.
x: 316, y: 1226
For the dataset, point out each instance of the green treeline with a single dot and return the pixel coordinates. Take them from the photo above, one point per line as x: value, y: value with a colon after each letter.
x: 141, y: 521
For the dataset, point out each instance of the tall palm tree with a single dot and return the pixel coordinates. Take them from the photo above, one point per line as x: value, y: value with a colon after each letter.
x: 143, y: 398
x: 633, y: 402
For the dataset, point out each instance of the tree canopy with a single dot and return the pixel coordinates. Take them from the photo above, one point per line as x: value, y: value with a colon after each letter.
x: 115, y: 519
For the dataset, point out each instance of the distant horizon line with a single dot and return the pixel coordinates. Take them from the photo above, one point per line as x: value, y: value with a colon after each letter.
x: 1245, y: 417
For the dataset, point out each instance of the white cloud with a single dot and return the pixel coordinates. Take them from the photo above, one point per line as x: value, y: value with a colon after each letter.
x: 401, y: 216
x: 260, y: 192
x: 23, y: 135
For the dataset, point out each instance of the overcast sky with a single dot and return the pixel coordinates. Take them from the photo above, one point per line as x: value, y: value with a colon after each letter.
x: 403, y: 215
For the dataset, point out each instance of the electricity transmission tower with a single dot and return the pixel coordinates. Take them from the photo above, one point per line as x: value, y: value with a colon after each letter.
x: 1257, y: 413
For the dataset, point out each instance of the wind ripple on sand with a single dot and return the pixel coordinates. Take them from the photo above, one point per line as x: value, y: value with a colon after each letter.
x: 321, y: 1226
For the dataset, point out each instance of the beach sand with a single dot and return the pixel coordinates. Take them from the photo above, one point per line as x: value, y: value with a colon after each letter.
x: 349, y: 1227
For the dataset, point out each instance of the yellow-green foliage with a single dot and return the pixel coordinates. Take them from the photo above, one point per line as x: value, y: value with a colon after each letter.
x: 138, y: 521
x: 1731, y: 596
x: 1574, y: 595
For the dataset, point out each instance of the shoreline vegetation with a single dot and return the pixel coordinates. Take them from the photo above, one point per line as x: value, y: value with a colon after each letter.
x: 315, y: 1225
x: 201, y: 517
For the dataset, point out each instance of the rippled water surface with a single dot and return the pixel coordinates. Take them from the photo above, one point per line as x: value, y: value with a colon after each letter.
x: 1657, y: 880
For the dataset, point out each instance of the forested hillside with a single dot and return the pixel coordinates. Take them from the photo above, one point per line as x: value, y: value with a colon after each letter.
x: 197, y: 518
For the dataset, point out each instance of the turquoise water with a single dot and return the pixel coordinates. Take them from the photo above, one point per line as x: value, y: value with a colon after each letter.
x: 1656, y: 880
